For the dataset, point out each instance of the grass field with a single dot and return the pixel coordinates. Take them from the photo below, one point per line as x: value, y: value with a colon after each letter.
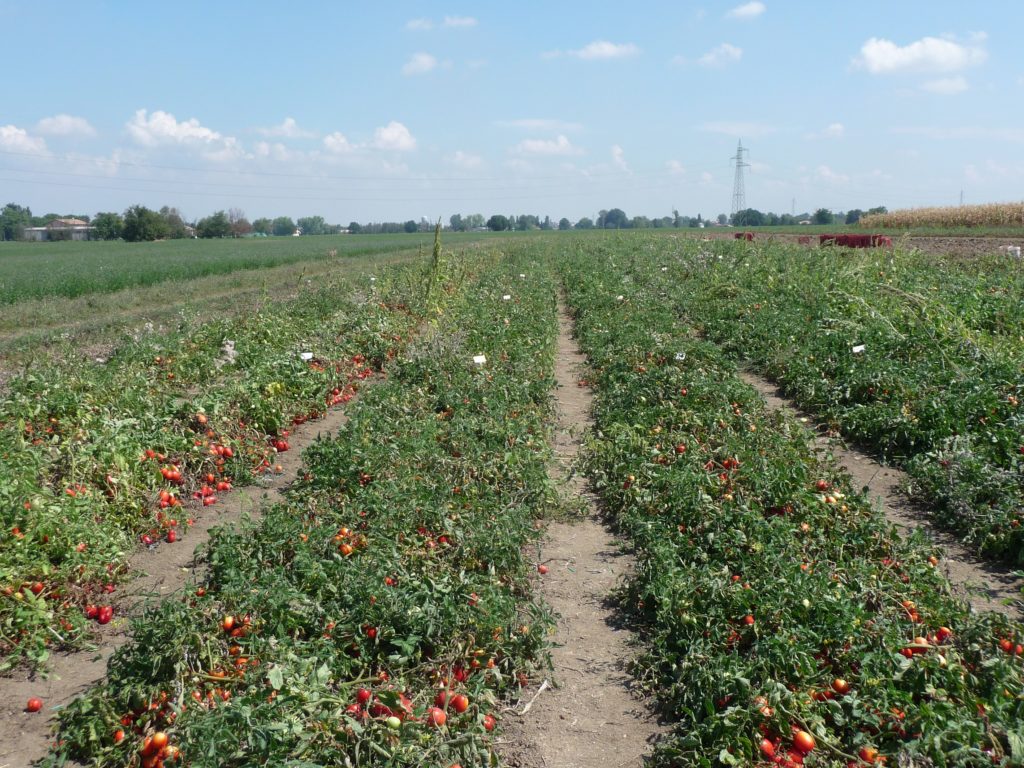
x: 70, y: 269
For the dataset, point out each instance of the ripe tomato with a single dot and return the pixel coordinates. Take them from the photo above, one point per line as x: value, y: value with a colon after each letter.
x: 840, y: 686
x: 542, y: 569
x: 34, y: 704
x: 159, y: 741
x: 868, y: 754
x: 767, y: 748
x: 363, y: 695
x: 436, y: 717
x: 489, y: 722
x: 804, y: 742
x: 459, y: 703
x: 228, y: 623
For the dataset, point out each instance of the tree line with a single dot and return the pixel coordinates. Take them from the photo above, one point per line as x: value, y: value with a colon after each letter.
x: 139, y: 223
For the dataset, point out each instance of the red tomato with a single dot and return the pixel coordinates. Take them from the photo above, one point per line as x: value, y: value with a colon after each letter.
x: 363, y: 695
x: 459, y: 703
x: 840, y: 686
x: 34, y: 704
x: 804, y: 742
x: 436, y: 717
x: 767, y: 748
x: 489, y: 722
x: 542, y: 569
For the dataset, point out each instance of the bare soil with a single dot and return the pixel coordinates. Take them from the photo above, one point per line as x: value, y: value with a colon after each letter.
x: 161, y: 570
x: 586, y: 715
x: 986, y: 586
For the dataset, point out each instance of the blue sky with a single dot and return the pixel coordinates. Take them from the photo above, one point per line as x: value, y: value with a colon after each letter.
x: 358, y: 112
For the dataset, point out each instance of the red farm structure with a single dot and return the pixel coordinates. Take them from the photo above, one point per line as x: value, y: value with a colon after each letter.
x: 856, y: 241
x: 748, y: 236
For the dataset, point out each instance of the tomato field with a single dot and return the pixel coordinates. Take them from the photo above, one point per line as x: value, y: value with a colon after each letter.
x: 388, y: 612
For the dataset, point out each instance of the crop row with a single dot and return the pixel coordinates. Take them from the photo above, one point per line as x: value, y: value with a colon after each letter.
x: 785, y: 621
x: 916, y: 358
x: 99, y: 455
x: 989, y: 215
x: 378, y: 615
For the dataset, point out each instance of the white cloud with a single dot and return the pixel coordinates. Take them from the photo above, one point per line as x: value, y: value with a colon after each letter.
x: 540, y: 124
x: 459, y: 22
x: 831, y: 131
x: 721, y: 55
x: 929, y: 54
x: 946, y: 86
x: 600, y: 49
x: 419, y: 64
x: 65, y: 125
x: 162, y: 128
x: 557, y: 146
x: 466, y: 160
x: 825, y: 173
x: 336, y: 143
x: 229, y: 149
x: 419, y: 24
x: 619, y: 158
x: 289, y: 129
x: 14, y: 139
x: 706, y: 177
x: 965, y: 133
x: 736, y: 128
x: 394, y: 137
x: 747, y: 11
x: 675, y: 168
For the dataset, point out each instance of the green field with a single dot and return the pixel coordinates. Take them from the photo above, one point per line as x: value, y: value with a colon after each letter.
x: 70, y: 269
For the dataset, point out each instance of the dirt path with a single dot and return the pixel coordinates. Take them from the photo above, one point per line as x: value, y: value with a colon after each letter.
x: 983, y: 584
x: 587, y: 716
x: 160, y: 571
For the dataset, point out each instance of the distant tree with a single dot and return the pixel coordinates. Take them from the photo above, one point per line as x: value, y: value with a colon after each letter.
x: 640, y: 222
x: 142, y: 224
x: 877, y: 210
x: 411, y: 226
x: 175, y: 222
x: 601, y: 216
x: 676, y: 219
x: 788, y: 220
x: 526, y: 222
x: 240, y: 226
x: 456, y: 223
x: 564, y: 224
x: 616, y: 219
x: 474, y: 221
x: 498, y: 223
x: 722, y: 219
x: 108, y: 226
x: 283, y: 225
x: 853, y: 216
x: 748, y: 217
x: 13, y: 220
x: 312, y: 225
x: 823, y: 216
x: 771, y: 219
x: 546, y: 224
x: 264, y: 226
x: 585, y: 223
x: 355, y: 227
x: 216, y: 225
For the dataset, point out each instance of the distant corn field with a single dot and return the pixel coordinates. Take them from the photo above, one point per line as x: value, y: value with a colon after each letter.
x: 989, y: 215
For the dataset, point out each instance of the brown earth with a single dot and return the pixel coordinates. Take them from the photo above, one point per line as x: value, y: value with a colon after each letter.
x: 953, y: 245
x: 161, y: 570
x: 586, y: 715
x: 986, y: 586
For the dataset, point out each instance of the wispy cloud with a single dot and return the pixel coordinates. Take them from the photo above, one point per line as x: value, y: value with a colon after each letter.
x: 721, y: 55
x: 598, y: 50
x: 540, y: 124
x: 946, y: 86
x: 65, y: 125
x: 675, y: 168
x: 560, y: 145
x: 159, y: 127
x: 336, y: 143
x: 747, y: 11
x: 961, y: 133
x: 826, y: 174
x: 619, y: 158
x: 419, y: 24
x: 466, y: 160
x: 419, y: 64
x: 736, y: 128
x: 830, y: 131
x: 932, y: 55
x: 289, y: 129
x: 459, y: 22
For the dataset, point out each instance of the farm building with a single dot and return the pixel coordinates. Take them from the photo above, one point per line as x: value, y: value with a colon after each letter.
x: 60, y: 229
